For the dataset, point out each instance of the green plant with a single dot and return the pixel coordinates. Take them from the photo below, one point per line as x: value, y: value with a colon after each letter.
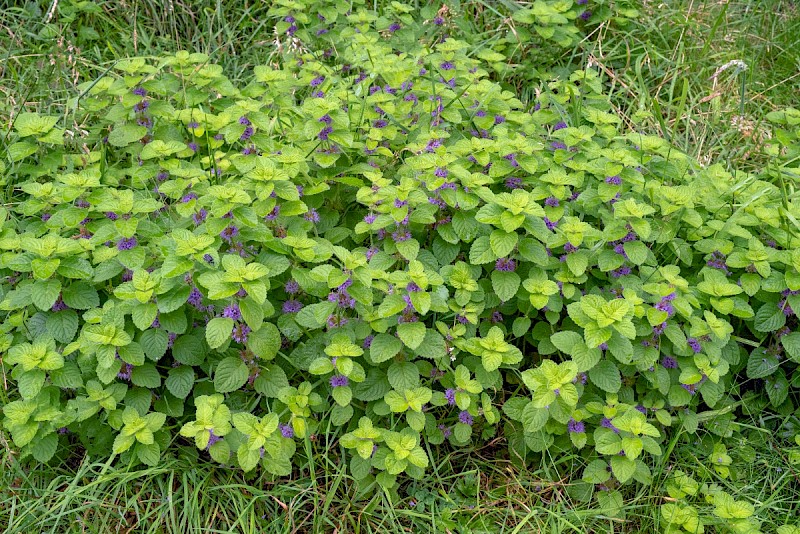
x: 347, y: 241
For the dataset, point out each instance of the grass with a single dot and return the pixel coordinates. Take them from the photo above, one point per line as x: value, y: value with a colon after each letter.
x: 671, y: 82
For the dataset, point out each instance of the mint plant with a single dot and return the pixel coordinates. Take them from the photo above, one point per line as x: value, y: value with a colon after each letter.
x: 380, y: 240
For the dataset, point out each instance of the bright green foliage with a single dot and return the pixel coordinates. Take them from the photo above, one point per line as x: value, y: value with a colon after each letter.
x: 378, y: 238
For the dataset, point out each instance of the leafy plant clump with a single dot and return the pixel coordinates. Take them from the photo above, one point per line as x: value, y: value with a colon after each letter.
x: 384, y: 240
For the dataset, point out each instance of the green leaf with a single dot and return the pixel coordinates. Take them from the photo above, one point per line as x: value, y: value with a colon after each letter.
x: 533, y: 418
x: 45, y: 448
x: 148, y: 454
x: 45, y: 294
x: 230, y: 375
x: 481, y: 252
x: 411, y: 334
x: 81, y: 296
x: 180, y: 381
x: 566, y: 341
x: 769, y: 318
x: 62, y: 325
x: 505, y: 284
x: 623, y: 468
x: 143, y: 315
x: 384, y: 347
x: 636, y: 251
x: 605, y: 375
x: 218, y: 331
x: 315, y: 315
x: 271, y: 379
x: 265, y: 342
x: 154, y: 343
x: 146, y: 376
x: 791, y: 342
x: 125, y: 134
x: 403, y: 376
x: 502, y: 243
x: 433, y: 346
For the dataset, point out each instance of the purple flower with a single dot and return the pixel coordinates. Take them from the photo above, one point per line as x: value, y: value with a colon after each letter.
x: 232, y: 312
x: 581, y: 2
x: 505, y: 265
x: 668, y: 362
x: 400, y: 203
x: 292, y: 306
x: 447, y: 65
x: 446, y: 431
x: 46, y: 217
x: 551, y: 201
x: 659, y: 329
x: 450, y: 395
x: 292, y: 287
x: 368, y: 341
x: 465, y: 417
x: 585, y: 15
x: 665, y: 306
x: 127, y: 275
x: 272, y: 215
x: 551, y: 225
x: 322, y: 31
x: 440, y: 172
x: 240, y: 333
x: 514, y: 183
x: 139, y: 91
x: 199, y: 217
x: 125, y: 372
x: 126, y: 243
x: 195, y: 298
x: 317, y: 81
x: 370, y: 218
x: 641, y: 409
x: 558, y: 145
x: 109, y: 215
x: 312, y: 216
x: 338, y: 381
x: 188, y: 197
x: 212, y: 439
x: 622, y: 271
x: 620, y: 249
x: 380, y: 123
x: 560, y: 125
x: 694, y: 344
x: 246, y: 134
x: 438, y: 21
x: 59, y: 305
x: 401, y: 235
x: 323, y: 134
x: 229, y: 233
x: 496, y: 317
x: 393, y: 27
x: 606, y: 423
x: 499, y: 119
x: 576, y: 427
x: 371, y: 252
x: 613, y: 180
x: 603, y: 346
x: 286, y: 431
x: 142, y: 106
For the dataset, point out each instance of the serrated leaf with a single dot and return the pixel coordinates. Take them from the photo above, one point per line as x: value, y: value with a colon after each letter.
x: 218, y: 331
x: 403, y: 376
x: 505, y: 284
x: 605, y: 375
x: 180, y: 381
x: 384, y: 347
x: 411, y: 334
x: 230, y: 375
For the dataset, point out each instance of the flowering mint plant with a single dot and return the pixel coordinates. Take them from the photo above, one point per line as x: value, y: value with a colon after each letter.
x: 391, y: 250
